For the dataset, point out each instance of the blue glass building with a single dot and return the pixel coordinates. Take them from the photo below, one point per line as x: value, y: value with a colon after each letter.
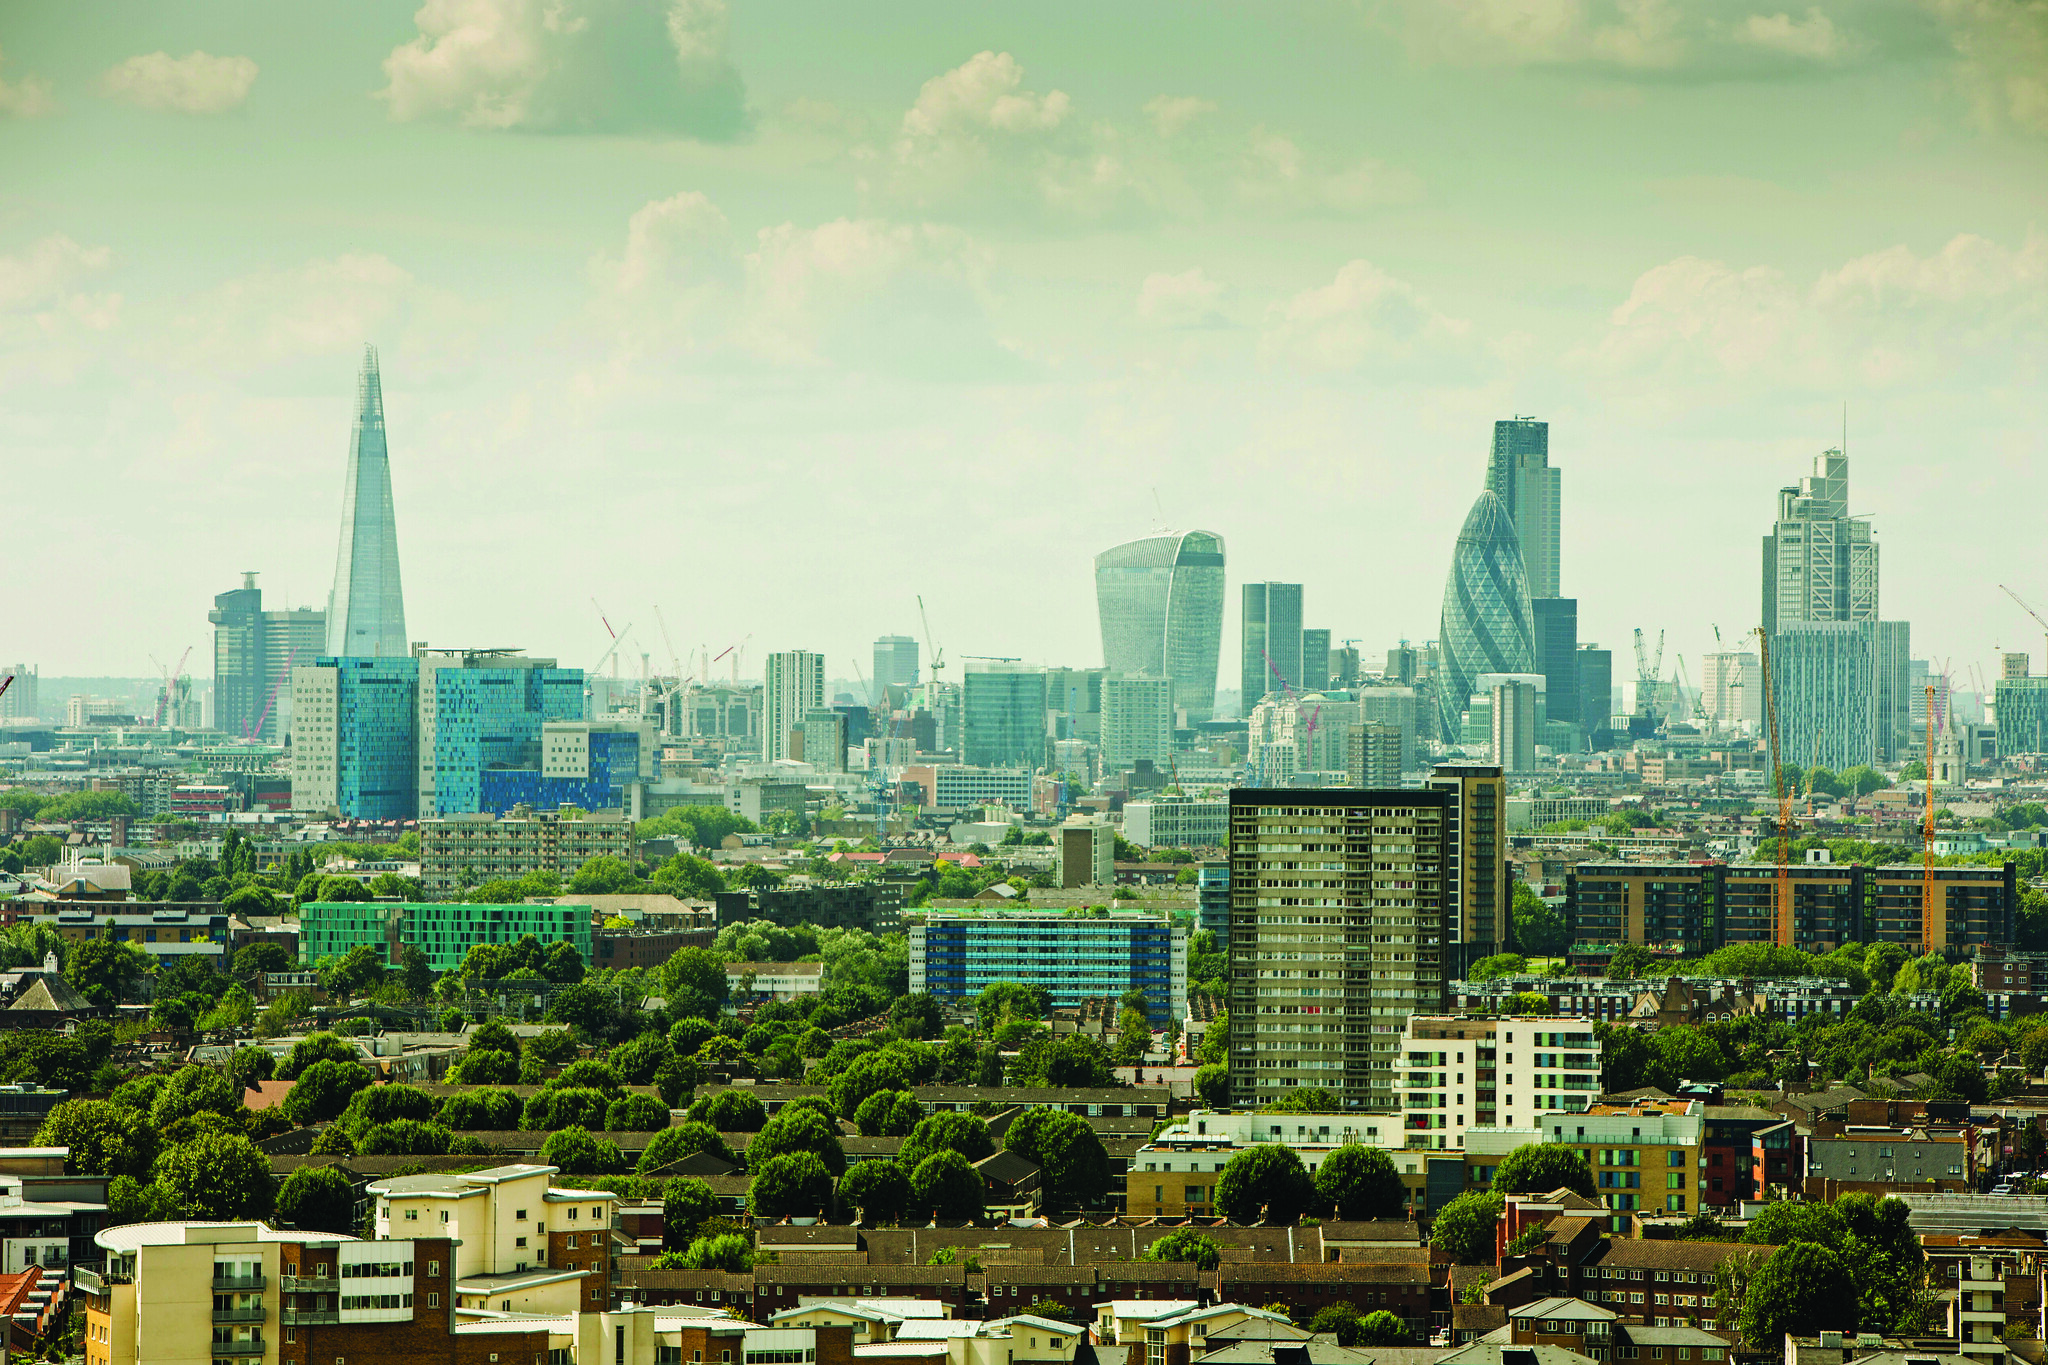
x: 613, y: 764
x: 484, y: 711
x: 1073, y: 957
x: 1487, y: 625
x: 1004, y: 715
x: 1212, y: 893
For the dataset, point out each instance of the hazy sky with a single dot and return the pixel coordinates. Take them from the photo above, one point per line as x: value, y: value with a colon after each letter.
x: 778, y: 314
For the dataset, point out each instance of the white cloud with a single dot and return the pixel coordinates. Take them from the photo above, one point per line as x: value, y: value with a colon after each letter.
x: 26, y: 97
x: 196, y: 83
x: 48, y: 313
x: 2003, y: 46
x: 44, y: 274
x: 1364, y: 318
x: 1814, y: 37
x: 1189, y: 299
x: 1273, y: 171
x: 975, y: 102
x: 856, y: 293
x: 1171, y: 114
x: 326, y: 307
x: 1704, y: 312
x: 569, y: 65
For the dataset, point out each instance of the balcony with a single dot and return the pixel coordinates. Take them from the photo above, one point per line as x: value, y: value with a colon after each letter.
x: 310, y: 1317
x: 252, y: 1346
x: 245, y: 1283
x: 256, y: 1314
x: 306, y: 1284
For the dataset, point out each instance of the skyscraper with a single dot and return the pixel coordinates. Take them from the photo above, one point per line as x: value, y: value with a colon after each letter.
x: 1137, y: 721
x: 1271, y: 640
x: 1315, y: 661
x: 1160, y: 604
x: 895, y: 663
x: 1557, y: 646
x: 794, y: 686
x: 1520, y: 474
x: 480, y: 712
x: 1825, y: 687
x: 366, y: 610
x: 1486, y: 625
x: 1820, y: 564
x: 254, y: 653
x: 1596, y: 695
x: 18, y: 702
x: 1003, y: 714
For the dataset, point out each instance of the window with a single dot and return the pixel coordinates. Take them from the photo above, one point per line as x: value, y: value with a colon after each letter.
x: 519, y: 1215
x: 433, y: 1270
x: 433, y: 1300
x: 412, y: 1215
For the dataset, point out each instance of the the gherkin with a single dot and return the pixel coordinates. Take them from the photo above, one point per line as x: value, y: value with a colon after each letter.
x: 1487, y: 624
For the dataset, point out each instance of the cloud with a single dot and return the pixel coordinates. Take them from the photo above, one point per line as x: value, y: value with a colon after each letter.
x: 1273, y: 171
x: 570, y: 66
x: 2003, y: 50
x: 1365, y: 319
x: 1815, y: 38
x: 48, y: 314
x: 193, y: 84
x: 26, y: 97
x: 1187, y: 300
x: 1172, y: 113
x: 1877, y: 320
x: 853, y: 293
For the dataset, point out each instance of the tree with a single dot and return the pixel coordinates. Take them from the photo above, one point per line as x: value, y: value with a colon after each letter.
x: 888, y: 1113
x: 319, y: 1047
x: 589, y: 1074
x: 1339, y: 1320
x: 1498, y: 965
x: 385, y: 1104
x: 696, y: 969
x: 580, y: 1152
x: 473, y: 1110
x: 1212, y: 1085
x: 947, y: 1184
x: 880, y: 1190
x: 806, y: 1130
x: 946, y: 1131
x: 191, y: 1090
x: 1073, y: 1165
x: 1011, y: 1000
x: 488, y: 1067
x: 727, y: 1251
x: 103, y: 969
x: 104, y: 1138
x: 334, y: 1141
x: 1540, y: 1167
x: 1381, y: 1328
x: 1361, y: 1182
x: 731, y: 1111
x: 684, y: 1139
x: 872, y: 1072
x: 404, y: 1137
x: 323, y: 1090
x: 551, y: 1109
x: 1782, y: 1222
x: 318, y: 1199
x: 686, y: 1205
x: 1265, y: 1181
x: 261, y: 957
x: 1185, y: 1244
x: 1802, y: 1289
x: 637, y: 1061
x: 917, y: 1016
x: 1528, y: 1003
x: 1536, y: 928
x: 795, y: 1184
x: 636, y: 1114
x: 1628, y: 961
x: 1464, y: 1227
x: 217, y: 1178
x: 590, y: 1010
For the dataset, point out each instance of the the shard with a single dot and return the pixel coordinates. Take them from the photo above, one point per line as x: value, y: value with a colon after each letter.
x: 1160, y: 602
x: 1487, y: 625
x: 366, y: 609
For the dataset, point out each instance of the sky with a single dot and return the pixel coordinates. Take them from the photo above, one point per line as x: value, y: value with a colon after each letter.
x: 772, y: 317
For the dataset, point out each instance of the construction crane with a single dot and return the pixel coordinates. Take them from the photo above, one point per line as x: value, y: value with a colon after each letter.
x: 936, y: 655
x: 1782, y: 910
x: 2043, y: 624
x: 732, y: 649
x: 256, y: 725
x: 171, y: 678
x: 1688, y: 700
x: 1927, y: 834
x: 6, y: 683
x: 1648, y: 669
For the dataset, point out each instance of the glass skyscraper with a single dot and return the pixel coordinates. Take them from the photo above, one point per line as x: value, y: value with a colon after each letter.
x: 1520, y: 474
x: 1003, y: 712
x: 1487, y: 624
x: 1270, y: 641
x: 366, y: 610
x: 1160, y: 603
x: 480, y: 710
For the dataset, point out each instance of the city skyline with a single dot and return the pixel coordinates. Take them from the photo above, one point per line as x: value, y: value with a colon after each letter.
x: 1287, y: 317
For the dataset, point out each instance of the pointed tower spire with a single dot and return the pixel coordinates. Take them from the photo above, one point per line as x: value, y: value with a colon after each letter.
x: 366, y: 609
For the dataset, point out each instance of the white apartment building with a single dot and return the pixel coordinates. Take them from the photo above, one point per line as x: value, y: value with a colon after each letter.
x: 1177, y: 822
x: 523, y: 1245
x: 753, y: 982
x: 1459, y: 1072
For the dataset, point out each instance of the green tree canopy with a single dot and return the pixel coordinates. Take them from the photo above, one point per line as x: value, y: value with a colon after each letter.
x: 1265, y: 1181
x: 943, y: 1131
x: 323, y: 1090
x: 1464, y: 1227
x: 105, y: 1138
x: 880, y: 1190
x: 795, y: 1184
x: 1185, y: 1244
x: 1803, y: 1289
x: 318, y: 1199
x: 801, y: 1130
x: 1540, y: 1167
x: 947, y: 1184
x: 1073, y: 1165
x: 578, y: 1151
x: 218, y: 1178
x: 684, y: 1139
x: 1360, y: 1182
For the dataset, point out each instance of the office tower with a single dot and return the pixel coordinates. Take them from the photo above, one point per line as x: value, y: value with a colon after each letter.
x: 355, y: 738
x: 1486, y: 626
x: 794, y: 687
x: 1520, y: 474
x: 1513, y: 723
x: 1085, y: 852
x: 824, y: 739
x: 254, y: 654
x: 895, y: 663
x: 366, y: 610
x: 1137, y: 721
x: 1824, y: 685
x: 481, y: 713
x: 1327, y: 966
x: 1892, y: 642
x: 1074, y: 697
x: 1346, y: 669
x: 1404, y: 709
x: 1402, y: 666
x: 1160, y: 605
x: 2019, y: 705
x: 1003, y: 712
x: 1556, y: 622
x: 1732, y: 690
x: 18, y: 702
x: 1374, y: 758
x: 1596, y: 695
x: 1479, y: 879
x: 1271, y: 640
x: 1315, y: 660
x: 2014, y: 665
x: 1819, y: 563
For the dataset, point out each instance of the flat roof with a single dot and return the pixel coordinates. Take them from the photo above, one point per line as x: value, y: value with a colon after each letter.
x: 131, y: 1236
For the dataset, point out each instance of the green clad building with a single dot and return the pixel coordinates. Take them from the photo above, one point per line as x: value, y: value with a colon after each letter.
x: 445, y: 930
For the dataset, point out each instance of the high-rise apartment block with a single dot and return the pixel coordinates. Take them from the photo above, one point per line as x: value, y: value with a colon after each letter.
x: 18, y: 702
x: 1820, y: 564
x: 1315, y: 661
x: 366, y: 609
x: 895, y: 662
x: 824, y: 739
x: 1478, y: 884
x: 794, y: 686
x: 467, y: 850
x: 1137, y: 721
x: 1458, y: 1072
x: 254, y: 652
x: 1270, y: 641
x: 1338, y: 922
x: 355, y: 737
x: 1160, y: 603
x: 954, y: 957
x: 1084, y: 850
x: 1519, y: 473
x: 1004, y: 715
x: 1374, y: 754
x: 1824, y: 685
x: 1513, y: 722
